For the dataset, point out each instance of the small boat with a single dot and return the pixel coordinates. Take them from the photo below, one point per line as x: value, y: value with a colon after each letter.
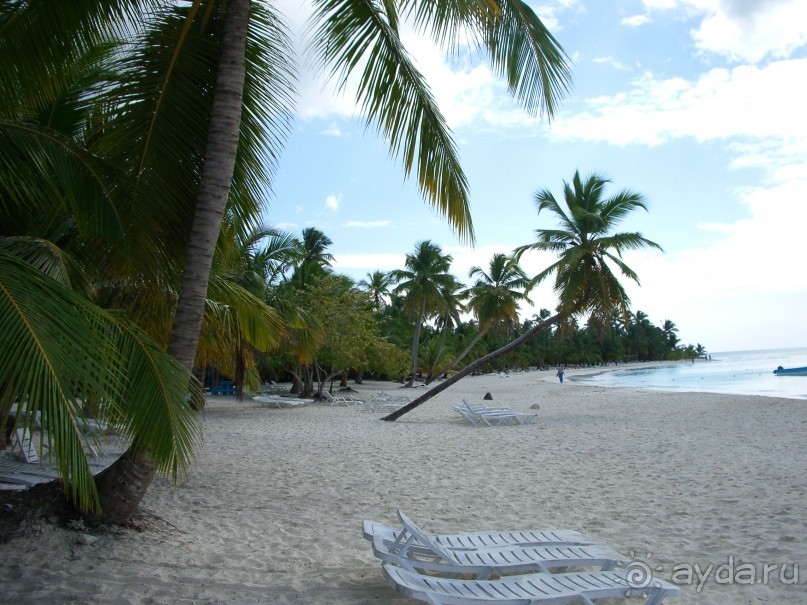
x: 780, y: 371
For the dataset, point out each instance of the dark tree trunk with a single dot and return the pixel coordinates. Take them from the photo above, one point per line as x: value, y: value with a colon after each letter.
x: 124, y: 484
x: 296, y: 384
x: 473, y: 366
x: 415, y: 343
x: 467, y: 350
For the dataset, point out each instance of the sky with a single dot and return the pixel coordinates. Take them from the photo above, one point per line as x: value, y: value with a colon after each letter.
x: 698, y: 105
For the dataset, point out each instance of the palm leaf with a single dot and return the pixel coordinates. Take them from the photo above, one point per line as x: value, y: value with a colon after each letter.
x: 42, y: 170
x: 57, y: 349
x: 362, y: 35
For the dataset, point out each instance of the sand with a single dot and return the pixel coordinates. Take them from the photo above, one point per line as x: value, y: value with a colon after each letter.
x: 271, y: 511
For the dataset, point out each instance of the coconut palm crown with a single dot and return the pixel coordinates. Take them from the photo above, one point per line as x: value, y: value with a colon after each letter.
x: 586, y: 246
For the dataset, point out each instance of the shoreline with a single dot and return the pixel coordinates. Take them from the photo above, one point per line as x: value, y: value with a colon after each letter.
x: 271, y: 511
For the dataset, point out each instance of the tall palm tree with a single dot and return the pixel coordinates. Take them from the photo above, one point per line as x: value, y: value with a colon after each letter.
x: 586, y: 247
x: 136, y: 151
x: 452, y: 302
x: 394, y: 96
x: 351, y: 38
x: 584, y: 280
x: 422, y: 281
x: 312, y: 257
x: 377, y: 284
x: 670, y: 333
x: 495, y: 297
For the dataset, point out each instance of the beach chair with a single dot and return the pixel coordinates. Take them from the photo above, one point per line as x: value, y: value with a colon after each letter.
x: 24, y: 441
x: 482, y: 539
x: 531, y: 589
x: 268, y: 401
x: 337, y: 400
x: 417, y: 550
x: 384, y: 405
x: 482, y: 415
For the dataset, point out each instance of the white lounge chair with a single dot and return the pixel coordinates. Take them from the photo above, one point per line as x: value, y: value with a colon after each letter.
x: 340, y: 400
x: 482, y: 415
x: 417, y: 550
x: 269, y: 401
x: 384, y: 405
x: 24, y: 441
x: 531, y: 589
x: 482, y: 539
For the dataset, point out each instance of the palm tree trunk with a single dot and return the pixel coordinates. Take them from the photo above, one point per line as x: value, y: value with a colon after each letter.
x: 415, y: 342
x: 439, y: 354
x: 123, y: 485
x: 473, y: 366
x: 467, y: 350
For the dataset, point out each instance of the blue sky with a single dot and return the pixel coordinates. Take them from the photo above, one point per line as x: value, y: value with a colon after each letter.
x: 699, y: 105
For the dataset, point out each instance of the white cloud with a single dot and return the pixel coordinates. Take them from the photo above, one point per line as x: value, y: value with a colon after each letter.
x: 333, y: 201
x: 755, y: 109
x: 728, y: 293
x: 333, y: 131
x: 550, y: 13
x: 743, y: 30
x: 636, y: 20
x: 610, y: 61
x: 369, y: 224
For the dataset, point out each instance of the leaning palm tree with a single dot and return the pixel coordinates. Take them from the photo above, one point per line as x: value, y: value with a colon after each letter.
x: 495, y: 298
x: 584, y: 279
x: 351, y: 38
x: 422, y: 282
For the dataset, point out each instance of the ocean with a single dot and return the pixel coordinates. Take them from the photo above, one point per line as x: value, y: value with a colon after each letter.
x: 735, y: 372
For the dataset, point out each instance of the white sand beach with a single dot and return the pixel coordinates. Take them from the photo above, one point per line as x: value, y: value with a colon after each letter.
x: 271, y: 511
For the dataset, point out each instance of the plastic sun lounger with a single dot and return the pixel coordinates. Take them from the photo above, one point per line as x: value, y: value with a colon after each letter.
x: 280, y: 402
x: 531, y: 589
x: 26, y: 444
x: 482, y: 415
x: 420, y: 551
x: 340, y: 400
x: 382, y: 405
x: 483, y: 539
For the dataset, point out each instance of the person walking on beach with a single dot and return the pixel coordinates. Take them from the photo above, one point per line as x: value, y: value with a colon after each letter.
x: 560, y: 375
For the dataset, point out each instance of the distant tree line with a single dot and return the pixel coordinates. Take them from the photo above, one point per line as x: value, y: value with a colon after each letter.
x: 420, y: 322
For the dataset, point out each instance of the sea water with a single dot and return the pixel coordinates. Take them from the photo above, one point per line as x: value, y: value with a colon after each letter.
x: 735, y: 372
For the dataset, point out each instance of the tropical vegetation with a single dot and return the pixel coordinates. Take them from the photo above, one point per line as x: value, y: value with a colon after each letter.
x: 137, y: 141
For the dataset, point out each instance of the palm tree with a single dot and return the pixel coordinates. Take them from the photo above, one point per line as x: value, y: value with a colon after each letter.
x: 452, y: 302
x: 124, y: 162
x: 349, y: 37
x: 312, y: 258
x: 422, y: 281
x: 670, y: 333
x: 393, y: 95
x: 495, y: 297
x: 584, y: 280
x: 377, y: 284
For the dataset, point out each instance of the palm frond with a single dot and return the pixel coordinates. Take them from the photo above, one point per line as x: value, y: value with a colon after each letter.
x: 360, y: 35
x: 51, y: 260
x: 528, y: 56
x: 42, y: 170
x: 260, y: 324
x: 57, y: 349
x: 154, y: 402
